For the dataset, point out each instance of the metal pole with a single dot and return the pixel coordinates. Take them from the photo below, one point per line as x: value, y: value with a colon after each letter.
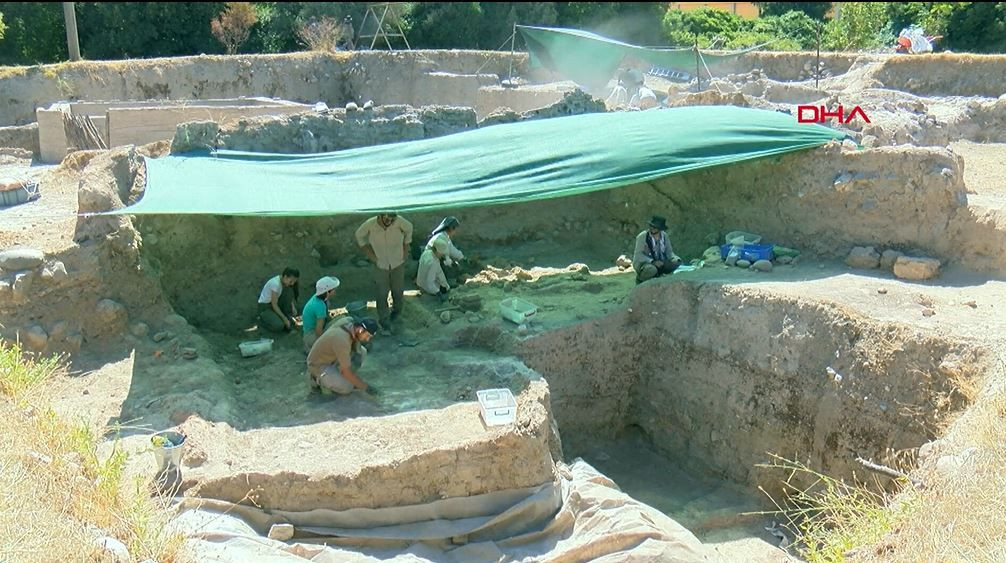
x: 698, y: 71
x: 817, y: 68
x: 72, y: 44
x: 513, y: 41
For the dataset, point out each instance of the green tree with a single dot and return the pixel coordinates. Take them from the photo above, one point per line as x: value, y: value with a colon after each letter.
x: 860, y: 25
x: 447, y: 25
x: 34, y: 34
x: 115, y: 30
x: 977, y: 27
x: 2, y: 26
x: 816, y: 10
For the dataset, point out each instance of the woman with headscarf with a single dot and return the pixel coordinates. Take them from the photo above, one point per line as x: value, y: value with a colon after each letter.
x: 439, y: 251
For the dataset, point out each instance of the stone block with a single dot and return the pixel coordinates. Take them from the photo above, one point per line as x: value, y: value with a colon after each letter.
x: 912, y: 268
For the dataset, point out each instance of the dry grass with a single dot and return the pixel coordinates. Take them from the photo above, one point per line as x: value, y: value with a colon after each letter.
x: 956, y: 516
x: 59, y: 495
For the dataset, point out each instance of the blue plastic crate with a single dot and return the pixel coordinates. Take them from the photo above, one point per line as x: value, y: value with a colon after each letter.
x: 750, y: 252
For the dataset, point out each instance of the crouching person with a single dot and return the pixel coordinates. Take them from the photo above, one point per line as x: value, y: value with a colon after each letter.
x: 338, y: 353
x: 653, y: 256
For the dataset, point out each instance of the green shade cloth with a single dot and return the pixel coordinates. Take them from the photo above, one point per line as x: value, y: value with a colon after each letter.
x: 592, y: 60
x: 511, y: 163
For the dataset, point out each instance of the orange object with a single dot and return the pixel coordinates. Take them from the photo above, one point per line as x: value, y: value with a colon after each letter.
x: 158, y: 353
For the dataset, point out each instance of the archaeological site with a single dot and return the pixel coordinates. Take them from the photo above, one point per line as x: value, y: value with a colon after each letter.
x: 834, y: 308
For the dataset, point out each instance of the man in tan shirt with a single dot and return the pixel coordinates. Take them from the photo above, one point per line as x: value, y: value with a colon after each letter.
x: 337, y: 353
x: 385, y: 239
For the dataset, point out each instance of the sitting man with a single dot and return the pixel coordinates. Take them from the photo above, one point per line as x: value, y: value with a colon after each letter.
x: 315, y: 314
x: 336, y: 355
x: 653, y: 256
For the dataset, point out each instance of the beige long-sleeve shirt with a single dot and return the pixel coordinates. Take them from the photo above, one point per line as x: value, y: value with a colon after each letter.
x: 388, y: 243
x: 641, y: 255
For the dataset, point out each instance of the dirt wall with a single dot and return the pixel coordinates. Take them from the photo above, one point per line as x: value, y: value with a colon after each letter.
x: 400, y: 77
x: 946, y: 74
x: 21, y: 137
x: 719, y: 376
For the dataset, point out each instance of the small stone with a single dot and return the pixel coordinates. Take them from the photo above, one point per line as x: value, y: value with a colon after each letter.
x: 471, y: 302
x: 111, y: 315
x: 281, y: 532
x: 593, y: 287
x: 351, y: 106
x: 369, y: 104
x: 22, y: 285
x: 115, y: 549
x: 928, y: 312
x: 445, y: 317
x: 623, y: 262
x: 59, y: 330
x: 888, y: 258
x: 743, y: 263
x: 863, y: 257
x: 523, y: 274
x: 34, y: 337
x: 909, y: 268
x: 189, y: 353
x: 522, y: 329
x: 140, y: 330
x: 21, y: 259
x: 473, y: 318
x: 163, y: 335
x: 175, y: 322
x: 784, y: 259
x: 882, y: 291
x: 762, y: 266
x: 973, y: 304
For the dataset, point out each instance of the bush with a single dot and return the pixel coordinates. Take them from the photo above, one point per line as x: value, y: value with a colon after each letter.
x: 861, y: 25
x: 233, y: 27
x: 792, y: 31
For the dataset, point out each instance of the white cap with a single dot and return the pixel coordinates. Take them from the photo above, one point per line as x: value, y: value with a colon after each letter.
x: 326, y: 284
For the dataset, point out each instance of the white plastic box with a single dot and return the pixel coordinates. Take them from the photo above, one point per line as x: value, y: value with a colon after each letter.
x: 517, y: 310
x: 255, y: 347
x: 498, y: 406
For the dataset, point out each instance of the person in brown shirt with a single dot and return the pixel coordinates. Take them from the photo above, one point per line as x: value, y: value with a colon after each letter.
x: 337, y: 353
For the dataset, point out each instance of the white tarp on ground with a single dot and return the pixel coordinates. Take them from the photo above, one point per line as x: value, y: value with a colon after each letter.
x: 581, y: 517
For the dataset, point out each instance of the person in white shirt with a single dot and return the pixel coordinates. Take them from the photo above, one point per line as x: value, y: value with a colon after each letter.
x: 439, y: 252
x: 277, y: 302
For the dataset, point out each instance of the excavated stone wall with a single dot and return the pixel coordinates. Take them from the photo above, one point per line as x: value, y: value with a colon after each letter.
x: 720, y: 377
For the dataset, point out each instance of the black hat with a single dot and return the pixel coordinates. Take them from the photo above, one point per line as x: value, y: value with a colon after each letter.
x: 658, y: 222
x: 447, y: 223
x: 368, y: 324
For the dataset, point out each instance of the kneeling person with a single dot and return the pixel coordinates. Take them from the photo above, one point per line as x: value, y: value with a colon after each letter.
x: 315, y: 314
x: 653, y: 256
x: 337, y: 353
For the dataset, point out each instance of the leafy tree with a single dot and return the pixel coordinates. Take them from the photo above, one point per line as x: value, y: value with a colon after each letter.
x: 861, y: 25
x: 681, y: 26
x: 447, y: 25
x: 815, y: 10
x: 2, y: 26
x: 34, y: 34
x: 115, y: 30
x: 233, y: 27
x: 977, y: 27
x: 276, y: 31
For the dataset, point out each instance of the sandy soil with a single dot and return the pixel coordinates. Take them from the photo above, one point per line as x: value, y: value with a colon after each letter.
x: 984, y: 172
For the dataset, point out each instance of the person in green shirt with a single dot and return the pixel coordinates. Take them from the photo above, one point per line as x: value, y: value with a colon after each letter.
x: 315, y: 314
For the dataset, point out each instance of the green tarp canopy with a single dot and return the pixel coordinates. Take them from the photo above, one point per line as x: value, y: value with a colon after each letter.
x: 592, y: 60
x: 516, y: 162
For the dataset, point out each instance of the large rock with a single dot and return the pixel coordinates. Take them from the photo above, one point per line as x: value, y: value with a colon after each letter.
x: 911, y: 268
x: 888, y: 258
x: 21, y: 259
x: 34, y: 338
x: 111, y: 316
x: 864, y: 257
